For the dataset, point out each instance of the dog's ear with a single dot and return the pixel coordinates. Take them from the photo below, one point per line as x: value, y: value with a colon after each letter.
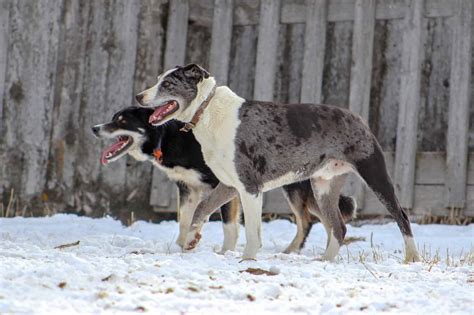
x: 195, y: 71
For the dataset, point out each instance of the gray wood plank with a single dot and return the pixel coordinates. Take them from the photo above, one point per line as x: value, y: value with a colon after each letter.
x: 362, y: 48
x: 176, y: 32
x: 163, y: 192
x: 67, y: 104
x: 275, y: 202
x: 361, y: 73
x: 29, y: 81
x: 89, y: 196
x: 4, y: 30
x: 426, y: 202
x: 242, y: 62
x: 294, y: 11
x: 459, y: 101
x: 119, y: 89
x: 410, y: 75
x: 267, y: 50
x: 151, y: 25
x: 107, y: 87
x: 219, y: 57
x: 314, y: 48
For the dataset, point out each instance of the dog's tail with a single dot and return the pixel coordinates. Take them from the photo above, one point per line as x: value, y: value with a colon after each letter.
x: 348, y: 207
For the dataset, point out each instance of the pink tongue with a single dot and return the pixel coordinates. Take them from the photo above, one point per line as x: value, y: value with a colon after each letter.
x: 111, y: 149
x: 157, y: 114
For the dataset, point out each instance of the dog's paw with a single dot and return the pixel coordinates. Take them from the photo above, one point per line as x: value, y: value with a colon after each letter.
x: 412, y: 258
x: 181, y: 241
x: 192, y: 240
x: 249, y: 254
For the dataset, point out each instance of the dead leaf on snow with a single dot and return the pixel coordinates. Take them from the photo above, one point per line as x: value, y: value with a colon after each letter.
x: 140, y: 309
x: 259, y: 272
x: 62, y: 285
x: 250, y: 297
x: 67, y: 245
x: 193, y: 289
x: 101, y: 295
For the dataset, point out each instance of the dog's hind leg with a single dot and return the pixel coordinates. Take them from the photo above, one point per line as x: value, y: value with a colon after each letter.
x: 252, y: 206
x: 296, y: 194
x: 230, y: 213
x: 374, y: 172
x: 188, y: 201
x: 327, y: 192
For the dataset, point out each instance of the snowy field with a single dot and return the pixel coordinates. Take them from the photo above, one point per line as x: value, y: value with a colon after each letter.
x: 139, y: 269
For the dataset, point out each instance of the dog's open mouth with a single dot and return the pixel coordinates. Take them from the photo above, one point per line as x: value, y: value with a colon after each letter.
x: 163, y: 111
x: 120, y: 146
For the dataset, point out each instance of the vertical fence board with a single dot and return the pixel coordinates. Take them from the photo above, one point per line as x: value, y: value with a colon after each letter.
x: 67, y: 97
x: 29, y: 85
x: 242, y: 60
x: 337, y: 63
x: 121, y: 47
x: 162, y: 192
x: 385, y: 90
x: 176, y: 32
x: 362, y: 48
x: 267, y: 50
x: 221, y: 40
x: 4, y: 29
x: 107, y: 87
x: 151, y: 28
x: 90, y: 194
x: 314, y: 48
x: 404, y: 174
x: 457, y: 140
x: 361, y: 73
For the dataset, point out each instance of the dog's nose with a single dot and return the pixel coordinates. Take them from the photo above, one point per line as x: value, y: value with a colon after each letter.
x: 95, y: 130
x: 139, y: 98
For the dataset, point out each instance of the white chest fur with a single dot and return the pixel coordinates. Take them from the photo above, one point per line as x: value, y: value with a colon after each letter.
x: 180, y: 174
x: 216, y: 132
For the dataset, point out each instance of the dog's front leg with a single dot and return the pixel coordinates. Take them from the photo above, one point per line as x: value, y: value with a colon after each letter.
x: 188, y: 201
x: 252, y: 206
x: 219, y: 196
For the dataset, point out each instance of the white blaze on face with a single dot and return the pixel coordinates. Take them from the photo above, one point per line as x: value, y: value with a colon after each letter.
x: 150, y: 94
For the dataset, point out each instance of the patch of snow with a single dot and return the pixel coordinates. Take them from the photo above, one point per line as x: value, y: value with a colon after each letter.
x: 139, y: 268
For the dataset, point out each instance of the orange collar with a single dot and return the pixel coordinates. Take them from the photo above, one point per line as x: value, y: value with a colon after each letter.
x: 158, y: 154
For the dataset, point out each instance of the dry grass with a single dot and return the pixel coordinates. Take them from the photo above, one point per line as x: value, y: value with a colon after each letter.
x: 455, y: 217
x: 429, y: 256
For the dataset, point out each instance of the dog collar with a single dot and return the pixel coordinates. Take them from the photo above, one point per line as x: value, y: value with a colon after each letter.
x: 190, y: 125
x: 158, y: 154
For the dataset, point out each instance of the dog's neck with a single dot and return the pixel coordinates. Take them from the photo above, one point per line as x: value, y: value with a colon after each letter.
x: 222, y: 109
x: 204, y: 88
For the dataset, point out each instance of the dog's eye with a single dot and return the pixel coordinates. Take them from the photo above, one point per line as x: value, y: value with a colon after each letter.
x: 165, y: 84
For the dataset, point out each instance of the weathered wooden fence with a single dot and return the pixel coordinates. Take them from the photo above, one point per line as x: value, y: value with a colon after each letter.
x: 405, y: 66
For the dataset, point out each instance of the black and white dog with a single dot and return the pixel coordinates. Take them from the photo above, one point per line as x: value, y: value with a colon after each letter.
x: 254, y: 146
x: 179, y: 155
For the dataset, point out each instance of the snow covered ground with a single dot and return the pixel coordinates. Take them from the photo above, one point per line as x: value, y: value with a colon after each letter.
x: 119, y: 269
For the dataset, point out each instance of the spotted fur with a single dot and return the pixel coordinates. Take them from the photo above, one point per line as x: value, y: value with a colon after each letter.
x: 256, y: 146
